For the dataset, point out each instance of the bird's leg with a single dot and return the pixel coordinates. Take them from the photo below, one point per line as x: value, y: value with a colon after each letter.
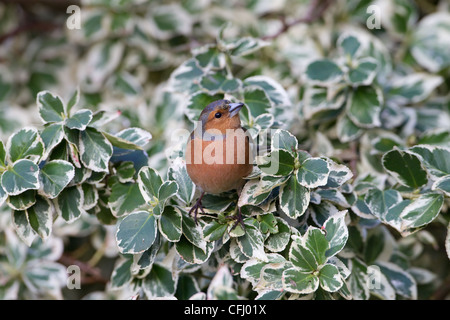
x: 196, y: 206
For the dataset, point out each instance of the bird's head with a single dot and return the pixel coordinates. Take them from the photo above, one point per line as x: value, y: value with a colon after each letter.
x: 221, y: 115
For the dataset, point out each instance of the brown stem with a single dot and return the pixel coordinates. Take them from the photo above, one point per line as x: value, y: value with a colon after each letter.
x: 314, y: 12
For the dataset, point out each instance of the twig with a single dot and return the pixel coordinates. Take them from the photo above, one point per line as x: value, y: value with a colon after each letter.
x: 94, y: 274
x: 442, y: 292
x: 314, y: 12
x: 32, y: 26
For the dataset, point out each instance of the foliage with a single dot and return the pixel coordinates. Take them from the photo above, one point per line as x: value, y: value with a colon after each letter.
x: 355, y: 119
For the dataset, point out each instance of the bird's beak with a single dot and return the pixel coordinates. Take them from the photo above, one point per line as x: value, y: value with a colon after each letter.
x: 235, y: 108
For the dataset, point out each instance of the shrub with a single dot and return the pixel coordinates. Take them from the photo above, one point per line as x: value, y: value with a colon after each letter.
x: 356, y: 118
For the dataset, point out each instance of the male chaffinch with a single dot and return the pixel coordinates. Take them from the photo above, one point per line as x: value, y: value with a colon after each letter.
x: 219, y: 153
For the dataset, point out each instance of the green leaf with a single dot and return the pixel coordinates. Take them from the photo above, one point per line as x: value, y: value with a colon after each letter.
x: 364, y: 73
x: 278, y: 241
x: 318, y: 100
x: 2, y: 154
x: 22, y: 201
x: 159, y: 282
x: 170, y: 223
x: 436, y: 159
x: 136, y: 232
x: 125, y: 198
x: 358, y: 280
x: 339, y: 174
x: 257, y: 101
x: 294, y: 198
x: 183, y: 77
x: 54, y: 176
x: 40, y: 216
x: 73, y: 101
x: 22, y: 176
x: 284, y: 140
x: 364, y: 107
x: 313, y: 173
x: 421, y: 211
x: 330, y: 279
x: 442, y: 184
x: 277, y: 163
x: 23, y: 227
x: 95, y: 150
x: 167, y: 190
x: 50, y: 107
x: 349, y: 44
x: 403, y: 283
x: 296, y: 281
x: 79, y: 120
x: 125, y: 171
x: 214, y: 231
x: 315, y: 240
x: 69, y: 203
x: 324, y: 71
x: 135, y: 135
x: 381, y: 201
x: 191, y: 253
x: 246, y: 45
x: 149, y: 182
x: 25, y: 143
x: 302, y: 257
x: 336, y: 233
x: 177, y: 172
x: 346, y: 130
x: 430, y: 41
x: 413, y: 88
x: 51, y: 136
x: 252, y: 243
x: 405, y: 167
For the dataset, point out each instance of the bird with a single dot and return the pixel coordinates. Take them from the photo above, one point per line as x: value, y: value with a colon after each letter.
x: 219, y: 153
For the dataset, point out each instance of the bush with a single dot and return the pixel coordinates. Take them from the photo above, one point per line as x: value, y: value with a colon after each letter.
x: 349, y: 97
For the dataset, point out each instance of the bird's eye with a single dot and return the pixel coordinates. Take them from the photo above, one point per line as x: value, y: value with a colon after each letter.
x: 218, y: 115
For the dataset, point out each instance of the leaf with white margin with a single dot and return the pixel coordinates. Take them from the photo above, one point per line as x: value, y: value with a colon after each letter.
x: 435, y: 158
x: 283, y: 139
x: 330, y: 279
x: 22, y: 176
x: 191, y: 253
x: 336, y: 233
x: 177, y: 172
x: 275, y: 91
x: 95, y: 150
x: 315, y: 240
x: 51, y: 136
x: 69, y: 204
x: 137, y: 136
x: 447, y: 241
x: 402, y: 282
x: 79, y: 120
x: 40, y: 216
x: 442, y: 184
x: 364, y: 106
x: 413, y: 88
x: 170, y: 223
x: 54, y: 176
x: 406, y: 167
x: 339, y: 174
x: 149, y: 182
x: 252, y: 243
x: 296, y: 281
x: 277, y: 242
x: 421, y: 211
x: 313, y: 173
x: 294, y: 198
x: 125, y: 198
x: 364, y: 72
x: 251, y: 270
x: 323, y: 71
x: 22, y: 226
x: 380, y: 286
x: 302, y: 257
x: 159, y: 282
x: 50, y: 107
x: 136, y: 232
x: 25, y: 143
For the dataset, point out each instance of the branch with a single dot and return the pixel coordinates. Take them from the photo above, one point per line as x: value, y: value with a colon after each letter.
x: 314, y: 12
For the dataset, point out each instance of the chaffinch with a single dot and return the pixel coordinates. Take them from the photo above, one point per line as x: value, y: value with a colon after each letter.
x: 219, y: 153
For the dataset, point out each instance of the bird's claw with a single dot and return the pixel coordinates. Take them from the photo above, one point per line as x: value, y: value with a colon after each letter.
x: 238, y: 220
x: 194, y: 209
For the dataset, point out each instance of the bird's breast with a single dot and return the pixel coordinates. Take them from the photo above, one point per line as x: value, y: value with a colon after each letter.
x: 218, y: 165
